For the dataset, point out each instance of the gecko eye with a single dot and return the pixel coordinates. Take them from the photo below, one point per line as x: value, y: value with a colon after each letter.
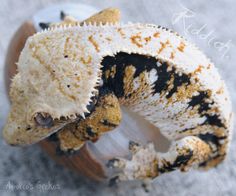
x: 44, y: 120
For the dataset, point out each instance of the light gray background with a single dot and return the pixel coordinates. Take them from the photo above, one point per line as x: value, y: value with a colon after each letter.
x: 32, y: 165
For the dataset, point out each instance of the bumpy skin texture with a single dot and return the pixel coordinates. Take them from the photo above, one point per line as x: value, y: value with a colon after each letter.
x: 149, y: 69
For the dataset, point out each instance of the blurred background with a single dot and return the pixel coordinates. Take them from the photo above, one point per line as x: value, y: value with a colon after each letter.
x: 211, y: 25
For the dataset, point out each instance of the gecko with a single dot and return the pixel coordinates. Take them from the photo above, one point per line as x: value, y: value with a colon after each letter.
x: 72, y: 80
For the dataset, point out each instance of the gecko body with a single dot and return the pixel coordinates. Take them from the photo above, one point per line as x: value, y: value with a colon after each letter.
x: 73, y: 79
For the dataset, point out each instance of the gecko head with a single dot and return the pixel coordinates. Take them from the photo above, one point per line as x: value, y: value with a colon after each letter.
x: 55, y: 82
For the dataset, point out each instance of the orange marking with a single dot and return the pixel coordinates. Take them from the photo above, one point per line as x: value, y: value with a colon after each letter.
x: 77, y: 78
x: 156, y: 35
x: 220, y: 91
x: 89, y: 72
x: 199, y: 69
x: 181, y: 46
x: 172, y: 55
x: 147, y: 39
x: 72, y: 97
x: 108, y: 39
x: 136, y: 39
x: 208, y: 66
x: 163, y: 46
x: 121, y: 32
x: 76, y: 85
x: 94, y: 43
x: 86, y: 61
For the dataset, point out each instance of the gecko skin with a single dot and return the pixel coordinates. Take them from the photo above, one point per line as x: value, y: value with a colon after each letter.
x: 74, y: 78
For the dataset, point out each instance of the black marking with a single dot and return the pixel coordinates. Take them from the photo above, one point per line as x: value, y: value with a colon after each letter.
x: 66, y: 56
x: 198, y: 99
x: 192, y: 128
x: 181, y: 160
x: 204, y: 164
x: 203, y: 107
x: 189, y: 129
x: 213, y: 120
x: 163, y: 77
x: 103, y: 91
x: 116, y: 84
x: 28, y: 128
x: 209, y: 137
x: 122, y: 60
x: 141, y: 63
x: 91, y: 132
x: 212, y: 139
x: 44, y: 25
x: 133, y: 144
x: 107, y: 123
x: 201, y: 101
x: 62, y: 15
x: 111, y: 162
x: 113, y: 181
x: 179, y: 80
x: 146, y: 187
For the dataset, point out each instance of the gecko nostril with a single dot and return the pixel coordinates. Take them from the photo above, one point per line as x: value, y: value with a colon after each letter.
x: 44, y: 120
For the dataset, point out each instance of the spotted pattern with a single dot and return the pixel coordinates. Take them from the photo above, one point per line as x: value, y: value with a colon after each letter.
x: 113, y: 77
x: 151, y: 70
